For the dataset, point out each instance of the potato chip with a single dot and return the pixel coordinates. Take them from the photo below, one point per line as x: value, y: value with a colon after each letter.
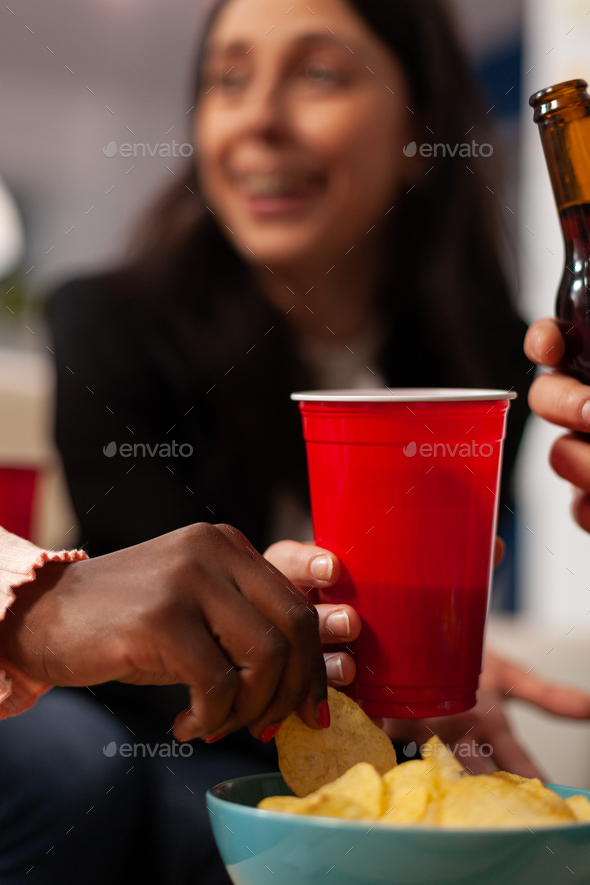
x: 435, y: 790
x: 580, y: 806
x: 488, y: 801
x: 357, y: 795
x: 512, y: 778
x: 446, y: 770
x: 544, y: 794
x: 310, y: 758
x: 432, y: 813
x: 408, y: 790
x: 290, y: 804
x: 413, y: 787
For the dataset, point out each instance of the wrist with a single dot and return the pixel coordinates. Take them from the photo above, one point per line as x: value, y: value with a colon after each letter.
x: 24, y: 627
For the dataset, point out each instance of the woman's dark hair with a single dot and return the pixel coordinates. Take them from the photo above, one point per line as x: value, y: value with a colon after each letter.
x: 445, y: 297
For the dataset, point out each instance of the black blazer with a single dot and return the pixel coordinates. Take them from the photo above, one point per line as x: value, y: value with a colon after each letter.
x: 218, y: 388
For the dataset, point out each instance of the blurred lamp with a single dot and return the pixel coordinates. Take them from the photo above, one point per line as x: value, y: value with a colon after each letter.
x: 12, y: 235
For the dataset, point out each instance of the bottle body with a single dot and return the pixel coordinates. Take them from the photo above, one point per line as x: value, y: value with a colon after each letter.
x: 562, y: 113
x: 572, y: 307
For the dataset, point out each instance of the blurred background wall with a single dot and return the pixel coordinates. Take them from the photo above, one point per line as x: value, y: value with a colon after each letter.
x: 75, y: 77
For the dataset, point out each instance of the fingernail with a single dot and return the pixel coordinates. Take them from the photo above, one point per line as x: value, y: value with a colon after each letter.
x: 321, y: 567
x: 213, y: 738
x: 339, y: 623
x: 586, y: 413
x: 323, y: 716
x: 334, y: 670
x: 268, y: 733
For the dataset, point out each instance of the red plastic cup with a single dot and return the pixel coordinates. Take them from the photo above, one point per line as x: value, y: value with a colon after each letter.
x: 17, y: 493
x: 404, y: 490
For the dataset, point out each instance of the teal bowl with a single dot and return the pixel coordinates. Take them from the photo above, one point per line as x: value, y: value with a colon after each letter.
x: 260, y: 847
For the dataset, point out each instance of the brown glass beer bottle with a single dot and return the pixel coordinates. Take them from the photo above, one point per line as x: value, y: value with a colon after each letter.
x: 562, y: 113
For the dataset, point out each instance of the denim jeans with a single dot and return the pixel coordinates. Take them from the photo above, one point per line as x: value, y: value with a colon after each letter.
x: 84, y: 799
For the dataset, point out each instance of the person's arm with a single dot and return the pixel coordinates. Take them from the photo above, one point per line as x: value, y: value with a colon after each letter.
x: 197, y: 606
x: 20, y: 562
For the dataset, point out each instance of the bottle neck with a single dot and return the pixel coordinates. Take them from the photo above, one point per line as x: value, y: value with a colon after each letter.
x: 563, y: 116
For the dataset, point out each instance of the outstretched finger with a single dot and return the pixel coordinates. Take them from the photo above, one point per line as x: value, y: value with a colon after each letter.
x: 556, y: 698
x: 561, y: 400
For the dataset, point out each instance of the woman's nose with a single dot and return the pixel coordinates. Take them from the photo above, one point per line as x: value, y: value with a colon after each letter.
x: 265, y: 115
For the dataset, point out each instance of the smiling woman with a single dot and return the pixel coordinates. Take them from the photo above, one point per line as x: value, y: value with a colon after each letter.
x: 301, y: 133
x: 302, y: 247
x: 301, y: 119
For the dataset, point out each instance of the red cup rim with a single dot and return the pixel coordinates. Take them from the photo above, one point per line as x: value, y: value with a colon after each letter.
x: 403, y: 395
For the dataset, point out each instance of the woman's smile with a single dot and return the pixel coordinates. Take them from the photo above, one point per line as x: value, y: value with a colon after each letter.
x: 277, y: 193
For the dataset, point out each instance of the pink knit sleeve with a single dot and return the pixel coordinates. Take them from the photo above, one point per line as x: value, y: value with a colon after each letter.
x: 19, y: 560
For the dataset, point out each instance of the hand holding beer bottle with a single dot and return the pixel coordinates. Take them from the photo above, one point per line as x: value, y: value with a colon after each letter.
x: 562, y: 113
x: 563, y: 397
x: 564, y: 401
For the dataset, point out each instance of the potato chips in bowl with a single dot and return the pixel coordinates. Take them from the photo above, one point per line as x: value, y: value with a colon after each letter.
x: 342, y: 809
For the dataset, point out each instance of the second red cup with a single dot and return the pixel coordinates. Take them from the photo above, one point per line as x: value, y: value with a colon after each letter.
x: 404, y: 490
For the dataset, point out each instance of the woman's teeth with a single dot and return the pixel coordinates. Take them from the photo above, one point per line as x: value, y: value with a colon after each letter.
x: 275, y: 184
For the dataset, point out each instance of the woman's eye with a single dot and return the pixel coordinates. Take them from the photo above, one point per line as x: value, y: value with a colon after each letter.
x: 316, y: 72
x: 232, y: 80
